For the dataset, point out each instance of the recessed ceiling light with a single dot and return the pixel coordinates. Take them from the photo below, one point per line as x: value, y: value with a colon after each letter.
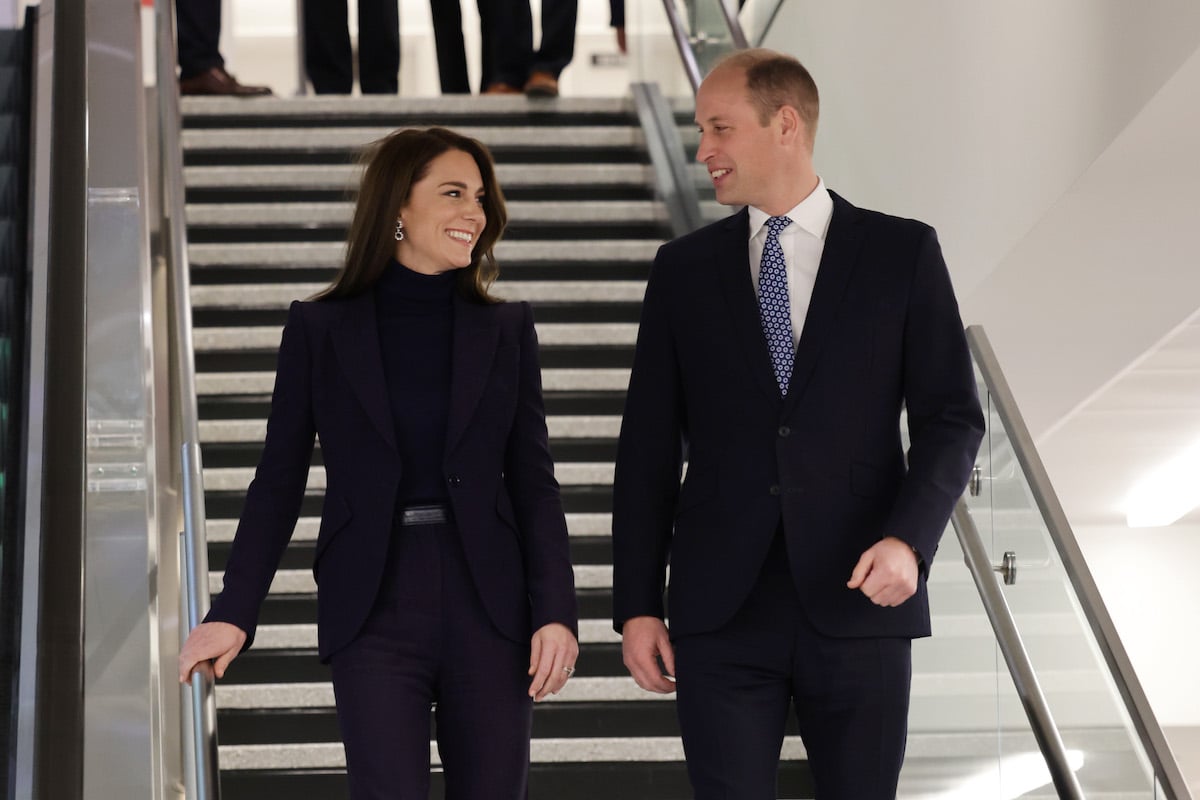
x: 1167, y: 493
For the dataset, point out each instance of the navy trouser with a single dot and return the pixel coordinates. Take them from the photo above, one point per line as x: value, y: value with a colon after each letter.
x: 198, y: 33
x: 429, y: 641
x: 328, y: 57
x: 735, y: 687
x: 511, y: 26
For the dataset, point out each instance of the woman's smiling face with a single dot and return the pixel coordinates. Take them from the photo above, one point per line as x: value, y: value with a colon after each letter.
x: 444, y: 215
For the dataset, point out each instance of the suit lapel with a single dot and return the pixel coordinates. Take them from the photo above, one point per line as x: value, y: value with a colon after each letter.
x: 732, y: 258
x: 842, y: 244
x: 476, y: 334
x: 356, y: 344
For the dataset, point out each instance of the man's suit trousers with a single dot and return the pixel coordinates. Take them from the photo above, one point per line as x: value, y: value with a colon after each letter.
x: 735, y: 686
x: 329, y: 58
x: 198, y: 35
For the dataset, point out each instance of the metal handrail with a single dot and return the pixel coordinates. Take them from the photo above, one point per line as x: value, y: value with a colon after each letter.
x: 675, y: 183
x: 1019, y: 665
x: 201, y: 758
x: 734, y: 23
x: 679, y: 32
x: 1158, y: 751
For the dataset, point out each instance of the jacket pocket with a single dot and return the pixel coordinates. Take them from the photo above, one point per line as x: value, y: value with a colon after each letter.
x: 335, y: 516
x: 699, y: 487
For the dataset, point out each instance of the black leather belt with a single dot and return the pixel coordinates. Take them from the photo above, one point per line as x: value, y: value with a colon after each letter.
x: 436, y: 514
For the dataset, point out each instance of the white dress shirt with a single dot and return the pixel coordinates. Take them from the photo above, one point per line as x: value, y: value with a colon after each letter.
x: 803, y: 242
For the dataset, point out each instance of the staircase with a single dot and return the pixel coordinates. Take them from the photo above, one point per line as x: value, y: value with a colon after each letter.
x: 269, y: 192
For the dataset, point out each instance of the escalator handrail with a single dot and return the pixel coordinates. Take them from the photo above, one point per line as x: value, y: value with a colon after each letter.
x: 1120, y: 668
x: 201, y: 757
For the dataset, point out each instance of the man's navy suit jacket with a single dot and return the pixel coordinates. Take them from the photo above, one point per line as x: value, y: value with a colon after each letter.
x: 882, y: 332
x: 497, y: 467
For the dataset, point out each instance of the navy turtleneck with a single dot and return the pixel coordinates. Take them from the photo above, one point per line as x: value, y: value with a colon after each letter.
x: 415, y: 316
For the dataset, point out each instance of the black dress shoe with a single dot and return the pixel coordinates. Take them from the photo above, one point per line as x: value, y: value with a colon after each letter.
x: 216, y: 81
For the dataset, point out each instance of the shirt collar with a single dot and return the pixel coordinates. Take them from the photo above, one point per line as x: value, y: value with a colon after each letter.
x: 812, y: 213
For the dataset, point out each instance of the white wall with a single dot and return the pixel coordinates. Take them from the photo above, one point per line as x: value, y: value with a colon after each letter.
x: 1054, y: 146
x: 981, y: 119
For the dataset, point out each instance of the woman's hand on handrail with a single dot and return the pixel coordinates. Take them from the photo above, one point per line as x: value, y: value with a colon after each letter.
x: 207, y: 641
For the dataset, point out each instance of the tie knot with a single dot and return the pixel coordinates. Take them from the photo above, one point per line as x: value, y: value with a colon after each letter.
x: 775, y: 225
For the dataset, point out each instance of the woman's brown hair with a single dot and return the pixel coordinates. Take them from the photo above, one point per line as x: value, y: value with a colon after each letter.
x: 392, y: 165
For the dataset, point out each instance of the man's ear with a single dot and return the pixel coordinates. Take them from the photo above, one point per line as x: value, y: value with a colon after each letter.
x: 791, y: 125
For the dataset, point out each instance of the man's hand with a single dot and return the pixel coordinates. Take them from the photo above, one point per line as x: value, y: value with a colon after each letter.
x: 643, y: 641
x: 621, y: 41
x: 207, y: 641
x: 886, y: 573
x: 552, y: 654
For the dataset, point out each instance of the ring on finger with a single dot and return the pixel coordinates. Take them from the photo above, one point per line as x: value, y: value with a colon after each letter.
x: 569, y: 670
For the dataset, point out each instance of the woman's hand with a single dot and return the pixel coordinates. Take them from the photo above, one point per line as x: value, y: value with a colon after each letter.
x: 209, y: 640
x: 552, y: 655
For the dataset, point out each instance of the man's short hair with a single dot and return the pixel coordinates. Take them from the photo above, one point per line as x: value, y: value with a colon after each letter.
x: 775, y: 80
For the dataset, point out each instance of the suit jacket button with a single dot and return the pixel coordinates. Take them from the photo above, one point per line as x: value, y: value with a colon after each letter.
x: 774, y: 489
x: 785, y: 431
x: 454, y: 480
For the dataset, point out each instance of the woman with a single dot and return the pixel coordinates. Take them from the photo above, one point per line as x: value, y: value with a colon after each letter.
x: 441, y: 563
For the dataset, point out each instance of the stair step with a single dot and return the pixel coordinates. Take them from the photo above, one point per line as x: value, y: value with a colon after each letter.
x: 302, y: 216
x: 327, y: 755
x: 234, y: 339
x: 345, y: 177
x: 222, y: 530
x: 554, y: 380
x: 300, y: 581
x: 533, y: 139
x: 331, y: 254
x: 281, y: 295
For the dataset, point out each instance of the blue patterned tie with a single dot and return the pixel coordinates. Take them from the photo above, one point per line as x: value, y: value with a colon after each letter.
x: 773, y: 305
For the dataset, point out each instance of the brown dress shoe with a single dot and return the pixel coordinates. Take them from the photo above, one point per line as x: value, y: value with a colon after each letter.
x: 217, y: 81
x: 541, y: 84
x: 501, y: 88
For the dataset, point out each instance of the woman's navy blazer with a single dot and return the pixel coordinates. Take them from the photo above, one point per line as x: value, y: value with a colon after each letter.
x: 497, y: 468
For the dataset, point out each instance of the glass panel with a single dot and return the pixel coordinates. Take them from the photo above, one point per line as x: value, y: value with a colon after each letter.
x: 756, y: 17
x: 653, y: 54
x: 1101, y: 744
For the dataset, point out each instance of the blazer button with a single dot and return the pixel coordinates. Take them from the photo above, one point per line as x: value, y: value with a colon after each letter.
x: 454, y: 480
x: 785, y: 431
x: 774, y: 489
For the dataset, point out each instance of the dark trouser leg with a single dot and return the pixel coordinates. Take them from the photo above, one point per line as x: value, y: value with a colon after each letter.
x: 484, y: 715
x: 378, y: 46
x: 487, y: 56
x: 852, y: 703
x: 512, y: 41
x: 384, y: 681
x: 327, y: 55
x: 558, y: 36
x: 198, y: 34
x: 734, y: 690
x: 451, y: 53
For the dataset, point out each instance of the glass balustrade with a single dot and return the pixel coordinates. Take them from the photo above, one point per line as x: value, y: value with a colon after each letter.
x: 970, y: 736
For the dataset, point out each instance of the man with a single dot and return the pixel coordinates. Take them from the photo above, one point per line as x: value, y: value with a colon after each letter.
x: 776, y: 350
x: 201, y: 68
